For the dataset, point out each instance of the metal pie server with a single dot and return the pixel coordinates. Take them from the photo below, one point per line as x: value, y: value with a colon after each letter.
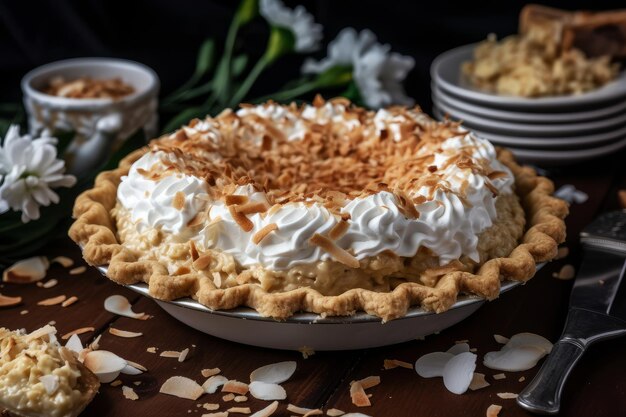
x: 597, y: 310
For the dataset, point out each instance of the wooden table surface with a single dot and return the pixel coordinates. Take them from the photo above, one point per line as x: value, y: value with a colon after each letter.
x: 597, y: 387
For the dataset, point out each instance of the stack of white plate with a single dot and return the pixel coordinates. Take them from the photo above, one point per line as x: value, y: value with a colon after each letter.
x: 548, y: 130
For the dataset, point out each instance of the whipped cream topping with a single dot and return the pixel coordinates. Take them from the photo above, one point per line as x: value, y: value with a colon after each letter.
x: 447, y: 224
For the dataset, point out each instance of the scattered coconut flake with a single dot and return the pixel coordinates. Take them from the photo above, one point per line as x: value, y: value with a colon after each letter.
x: 520, y: 358
x: 137, y: 366
x: 46, y: 330
x: 52, y: 301
x: 461, y: 341
x: 529, y: 339
x: 459, y: 371
x: 23, y: 312
x: 358, y: 395
x: 50, y: 283
x: 267, y: 411
x: 316, y: 412
x: 27, y: 271
x: 64, y: 261
x: 241, y: 399
x: 562, y: 252
x: 151, y: 349
x: 267, y: 391
x: 501, y: 339
x: 136, y: 383
x: 77, y: 331
x: 432, y: 364
x: 50, y: 383
x: 306, y: 352
x: 220, y: 414
x: 183, y: 355
x: 236, y: 387
x: 459, y: 347
x: 104, y: 364
x: 394, y: 363
x: 298, y: 410
x: 6, y: 301
x: 228, y: 397
x: 493, y: 410
x: 213, y: 383
x: 131, y: 370
x: 170, y: 354
x: 478, y: 382
x: 499, y: 376
x: 522, y: 379
x: 116, y: 383
x: 356, y: 415
x: 370, y: 381
x: 74, y: 344
x: 334, y: 412
x: 506, y: 395
x: 129, y: 393
x: 239, y: 410
x: 210, y: 372
x: 182, y: 387
x: 275, y: 373
x: 118, y: 304
x: 566, y: 272
x: 570, y: 194
x: 210, y: 406
x: 123, y: 333
x: 95, y: 345
x: 69, y: 301
x: 78, y: 270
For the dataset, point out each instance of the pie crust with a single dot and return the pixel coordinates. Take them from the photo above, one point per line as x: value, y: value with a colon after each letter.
x: 95, y: 229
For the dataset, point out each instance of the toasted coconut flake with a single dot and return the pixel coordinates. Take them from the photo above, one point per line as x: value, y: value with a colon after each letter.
x: 52, y: 301
x: 104, y: 364
x: 202, y: 262
x: 267, y: 391
x: 370, y: 381
x: 252, y: 207
x: 432, y: 364
x: 263, y: 232
x: 95, y: 345
x: 211, y: 406
x: 507, y: 395
x: 316, y: 412
x: 241, y: 219
x: 298, y: 410
x: 239, y: 410
x: 129, y: 393
x: 170, y: 354
x: 306, y: 351
x: 69, y: 301
x: 567, y: 272
x: 515, y: 359
x: 123, y: 333
x: 228, y: 397
x: 183, y: 355
x: 356, y: 415
x: 501, y: 339
x: 459, y: 372
x: 118, y: 304
x: 499, y: 376
x: 337, y: 253
x: 182, y: 387
x: 78, y: 270
x: 178, y: 202
x: 74, y: 344
x: 459, y: 348
x: 478, y: 381
x: 235, y: 387
x: 493, y: 410
x: 27, y: 270
x: 116, y: 383
x: 275, y: 373
x: 23, y: 312
x: 562, y: 252
x: 77, y: 331
x: 220, y: 414
x: 529, y: 339
x: 64, y: 261
x: 338, y: 230
x: 6, y: 301
x: 521, y: 379
x: 151, y: 349
x: 50, y: 283
x: 50, y: 383
x: 241, y: 399
x: 234, y: 199
x: 210, y: 372
x: 334, y: 412
x: 394, y: 363
x: 137, y: 366
x: 213, y: 383
x: 358, y: 395
x: 267, y: 411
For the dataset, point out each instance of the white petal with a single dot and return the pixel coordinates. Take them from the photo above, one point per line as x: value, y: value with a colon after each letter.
x: 266, y: 391
x: 432, y: 364
x: 459, y: 348
x: 529, y: 339
x: 213, y: 383
x: 276, y: 373
x: 104, y: 364
x: 459, y: 371
x: 74, y: 344
x: 27, y: 270
x: 118, y: 304
x: 514, y: 359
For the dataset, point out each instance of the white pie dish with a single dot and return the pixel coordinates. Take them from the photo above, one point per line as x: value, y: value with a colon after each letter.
x: 308, y: 330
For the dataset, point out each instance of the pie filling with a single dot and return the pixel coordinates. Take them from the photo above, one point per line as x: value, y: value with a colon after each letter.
x: 325, y: 196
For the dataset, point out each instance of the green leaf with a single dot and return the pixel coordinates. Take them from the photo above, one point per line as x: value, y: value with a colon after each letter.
x: 205, y: 60
x: 239, y: 64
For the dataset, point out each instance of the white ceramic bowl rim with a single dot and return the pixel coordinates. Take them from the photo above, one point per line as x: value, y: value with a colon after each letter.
x: 247, y: 313
x: 149, y: 90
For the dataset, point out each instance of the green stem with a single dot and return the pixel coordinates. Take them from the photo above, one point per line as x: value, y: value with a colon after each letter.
x: 188, y: 94
x: 290, y: 93
x: 222, y: 75
x: 249, y: 81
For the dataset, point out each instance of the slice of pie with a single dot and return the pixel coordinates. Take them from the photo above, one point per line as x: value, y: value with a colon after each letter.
x: 327, y: 208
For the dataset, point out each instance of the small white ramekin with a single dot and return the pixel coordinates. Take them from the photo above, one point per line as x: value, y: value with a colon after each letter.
x: 100, y: 125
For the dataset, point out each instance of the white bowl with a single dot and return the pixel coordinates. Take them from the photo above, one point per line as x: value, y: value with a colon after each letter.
x: 100, y: 124
x: 446, y: 74
x: 526, y: 116
x: 360, y: 331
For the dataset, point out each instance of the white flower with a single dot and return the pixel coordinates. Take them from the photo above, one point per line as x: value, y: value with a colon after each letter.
x: 29, y: 169
x: 377, y: 72
x: 307, y: 34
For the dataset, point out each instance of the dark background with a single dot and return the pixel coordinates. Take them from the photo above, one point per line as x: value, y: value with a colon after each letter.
x: 166, y: 34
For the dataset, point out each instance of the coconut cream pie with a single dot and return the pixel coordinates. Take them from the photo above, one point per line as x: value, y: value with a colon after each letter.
x: 327, y: 208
